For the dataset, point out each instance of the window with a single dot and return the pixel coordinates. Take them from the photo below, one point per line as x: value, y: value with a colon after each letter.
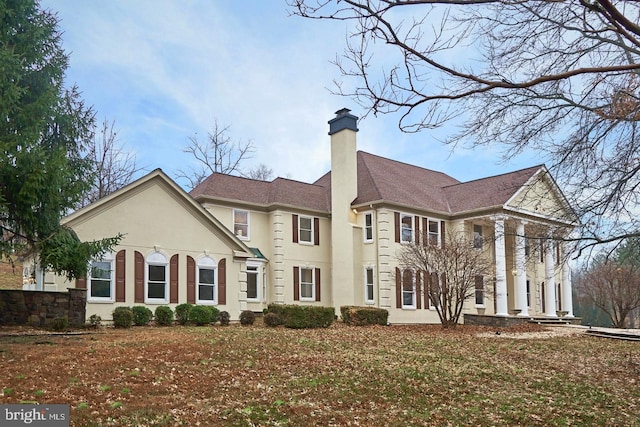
x: 368, y: 227
x: 406, y: 228
x: 527, y: 248
x: 479, y: 290
x: 408, y: 289
x: 100, y: 280
x: 157, y: 283
x: 241, y: 224
x: 478, y: 240
x: 368, y: 285
x: 307, y: 284
x: 528, y: 294
x: 253, y: 282
x: 305, y: 229
x: 434, y: 232
x: 206, y: 281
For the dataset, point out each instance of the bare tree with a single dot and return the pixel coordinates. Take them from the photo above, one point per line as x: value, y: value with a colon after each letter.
x: 114, y: 166
x: 614, y: 287
x: 219, y: 154
x: 559, y: 77
x: 454, y: 272
x: 261, y: 173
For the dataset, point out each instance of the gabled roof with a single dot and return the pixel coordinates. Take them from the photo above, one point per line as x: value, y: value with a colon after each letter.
x: 487, y: 192
x: 279, y: 192
x: 380, y: 180
x: 158, y: 177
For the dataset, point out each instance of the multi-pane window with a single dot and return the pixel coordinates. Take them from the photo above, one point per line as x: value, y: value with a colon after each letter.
x: 207, y: 292
x: 368, y: 285
x: 241, y: 223
x: 253, y: 287
x: 478, y: 239
x: 406, y: 228
x: 100, y: 280
x: 307, y: 284
x: 368, y: 227
x: 434, y: 232
x: 528, y: 293
x: 157, y: 273
x: 305, y: 229
x: 408, y: 289
x: 479, y: 290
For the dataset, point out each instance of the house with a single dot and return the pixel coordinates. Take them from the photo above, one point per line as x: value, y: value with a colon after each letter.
x: 241, y: 244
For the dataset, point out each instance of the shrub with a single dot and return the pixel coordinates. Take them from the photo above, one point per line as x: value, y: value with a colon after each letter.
x: 141, y: 315
x: 225, y: 318
x: 182, y: 313
x: 122, y: 317
x: 60, y: 324
x: 247, y: 317
x: 272, y: 319
x: 300, y: 317
x: 215, y: 313
x: 200, y: 315
x: 95, y: 321
x: 359, y: 316
x: 164, y: 316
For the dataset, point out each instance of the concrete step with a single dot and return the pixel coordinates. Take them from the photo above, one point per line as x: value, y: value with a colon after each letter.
x: 613, y: 335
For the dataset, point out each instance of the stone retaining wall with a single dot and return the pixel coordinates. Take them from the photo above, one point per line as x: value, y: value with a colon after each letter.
x: 38, y: 308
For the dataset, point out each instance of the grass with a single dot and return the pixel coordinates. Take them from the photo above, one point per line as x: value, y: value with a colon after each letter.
x: 399, y: 375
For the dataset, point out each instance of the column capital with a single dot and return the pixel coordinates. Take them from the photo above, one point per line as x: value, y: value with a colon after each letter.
x: 499, y: 217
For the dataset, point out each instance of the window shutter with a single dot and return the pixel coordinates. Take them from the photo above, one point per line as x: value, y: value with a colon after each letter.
x: 396, y: 216
x: 222, y: 281
x: 173, y: 279
x: 443, y: 280
x: 398, y: 289
x: 121, y: 276
x: 294, y: 220
x: 425, y: 227
x: 316, y: 231
x: 418, y: 289
x: 191, y: 280
x: 428, y: 280
x: 81, y: 282
x: 442, y: 233
x: 317, y: 284
x: 138, y: 274
x: 296, y: 283
x: 416, y: 232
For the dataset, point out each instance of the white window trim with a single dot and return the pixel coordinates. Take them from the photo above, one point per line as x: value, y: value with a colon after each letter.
x: 206, y: 262
x: 156, y: 258
x: 108, y: 257
x: 364, y: 227
x: 366, y: 285
x: 259, y: 273
x: 413, y: 228
x: 437, y: 234
x: 241, y: 237
x: 304, y: 242
x: 313, y: 284
x: 413, y: 280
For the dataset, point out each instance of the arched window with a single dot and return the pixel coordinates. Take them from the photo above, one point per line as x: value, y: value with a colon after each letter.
x: 207, y: 278
x: 157, y: 284
x: 101, y: 279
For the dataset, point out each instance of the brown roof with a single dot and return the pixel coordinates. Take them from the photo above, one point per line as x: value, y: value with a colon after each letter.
x: 379, y: 180
x: 280, y: 191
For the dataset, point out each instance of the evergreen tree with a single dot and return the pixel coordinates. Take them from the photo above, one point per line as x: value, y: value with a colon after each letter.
x: 43, y: 128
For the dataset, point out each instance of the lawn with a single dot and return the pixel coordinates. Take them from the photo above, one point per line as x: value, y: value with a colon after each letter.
x: 358, y: 376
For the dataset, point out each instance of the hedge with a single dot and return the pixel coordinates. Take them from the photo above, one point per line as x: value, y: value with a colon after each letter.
x: 303, y: 316
x: 359, y: 316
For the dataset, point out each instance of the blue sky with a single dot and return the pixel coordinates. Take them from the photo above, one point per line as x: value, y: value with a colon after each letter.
x: 165, y: 70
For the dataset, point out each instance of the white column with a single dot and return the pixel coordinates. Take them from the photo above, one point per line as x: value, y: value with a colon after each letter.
x: 501, y: 268
x: 567, y: 300
x: 549, y: 280
x: 521, y: 271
